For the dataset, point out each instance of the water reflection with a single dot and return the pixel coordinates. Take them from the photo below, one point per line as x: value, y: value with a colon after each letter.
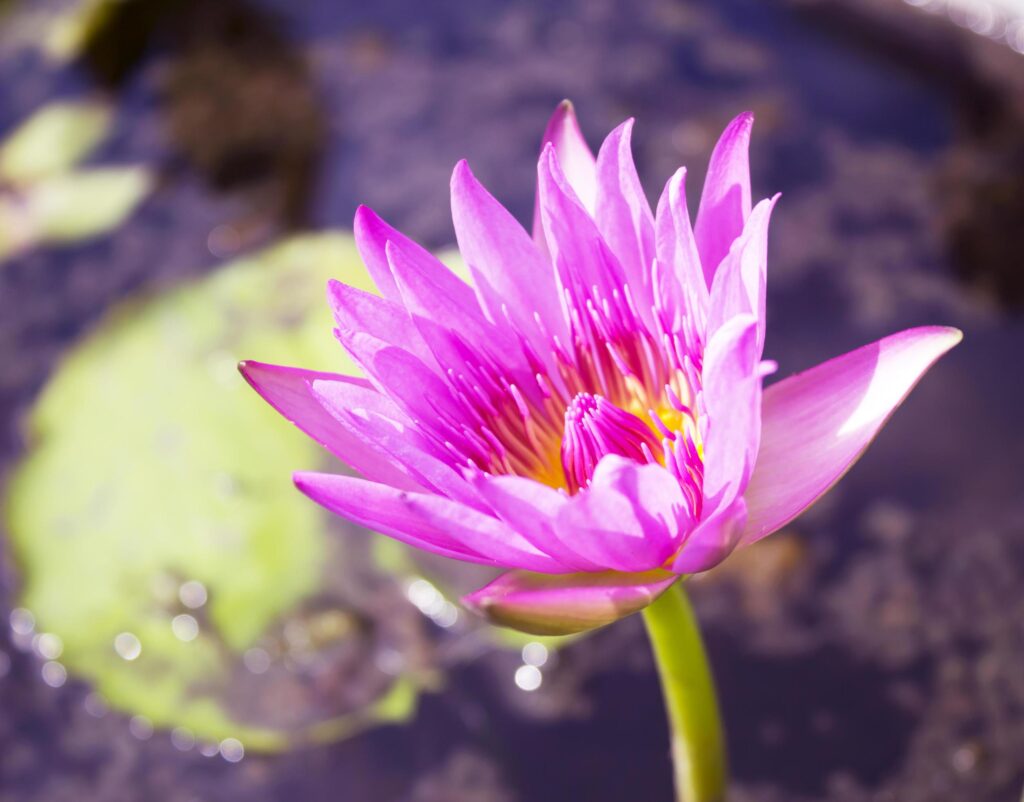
x: 127, y: 646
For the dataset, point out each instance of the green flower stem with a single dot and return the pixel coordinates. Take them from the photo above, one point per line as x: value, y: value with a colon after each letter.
x: 698, y: 745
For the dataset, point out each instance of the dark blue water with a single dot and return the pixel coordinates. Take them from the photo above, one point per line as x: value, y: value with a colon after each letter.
x: 874, y: 654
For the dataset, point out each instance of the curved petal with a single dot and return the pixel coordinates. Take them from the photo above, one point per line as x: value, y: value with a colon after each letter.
x: 372, y: 505
x: 372, y: 235
x: 586, y: 267
x: 513, y: 279
x: 624, y: 216
x: 356, y: 310
x: 740, y: 285
x: 531, y: 508
x: 430, y: 291
x: 725, y: 200
x: 427, y: 288
x: 682, y: 290
x: 561, y: 605
x: 429, y: 522
x: 816, y: 424
x: 483, y: 533
x: 288, y: 390
x: 732, y: 398
x: 564, y: 135
x: 431, y: 467
x: 420, y: 393
x: 632, y: 517
x: 713, y: 540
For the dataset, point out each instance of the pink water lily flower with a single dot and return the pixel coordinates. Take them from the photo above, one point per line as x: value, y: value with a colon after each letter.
x: 589, y: 414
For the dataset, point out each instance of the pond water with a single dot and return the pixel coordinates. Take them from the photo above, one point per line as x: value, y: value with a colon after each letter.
x: 870, y: 651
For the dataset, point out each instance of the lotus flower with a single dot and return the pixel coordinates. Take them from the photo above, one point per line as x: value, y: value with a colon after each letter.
x: 589, y: 414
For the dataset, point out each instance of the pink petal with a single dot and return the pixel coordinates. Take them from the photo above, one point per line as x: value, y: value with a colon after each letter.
x: 561, y: 605
x: 356, y: 310
x: 739, y: 286
x: 429, y: 290
x: 732, y: 398
x: 288, y: 391
x: 530, y: 508
x: 577, y: 161
x: 725, y: 201
x: 713, y: 540
x: 682, y: 286
x: 420, y: 393
x: 584, y: 261
x: 372, y: 234
x: 632, y: 517
x: 816, y: 424
x: 483, y: 533
x: 427, y: 521
x: 512, y: 277
x: 374, y: 506
x: 474, y: 366
x: 431, y: 467
x: 624, y: 216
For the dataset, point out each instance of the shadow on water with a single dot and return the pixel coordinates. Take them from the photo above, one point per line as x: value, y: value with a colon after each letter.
x: 238, y: 96
x: 981, y: 182
x: 842, y: 720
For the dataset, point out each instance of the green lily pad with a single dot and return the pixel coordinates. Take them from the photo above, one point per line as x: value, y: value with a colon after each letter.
x: 69, y: 31
x: 156, y: 532
x: 53, y: 140
x: 79, y: 205
x: 45, y: 200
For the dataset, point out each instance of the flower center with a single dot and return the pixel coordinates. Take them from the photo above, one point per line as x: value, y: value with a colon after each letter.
x: 594, y: 427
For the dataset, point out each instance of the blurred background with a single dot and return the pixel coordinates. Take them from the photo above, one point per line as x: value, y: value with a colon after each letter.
x: 177, y: 182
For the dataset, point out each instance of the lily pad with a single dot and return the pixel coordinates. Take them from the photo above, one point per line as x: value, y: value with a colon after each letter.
x: 79, y: 205
x: 53, y: 140
x: 157, y: 535
x: 68, y: 32
x: 45, y: 199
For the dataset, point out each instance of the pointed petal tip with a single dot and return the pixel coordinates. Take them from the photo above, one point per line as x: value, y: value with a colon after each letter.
x: 565, y: 604
x: 310, y: 484
x: 564, y: 110
x: 246, y: 368
x: 937, y: 340
x: 742, y: 122
x: 563, y: 118
x: 253, y: 371
x: 304, y: 477
x: 573, y: 154
x: 461, y: 171
x: 953, y: 335
x: 364, y: 215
